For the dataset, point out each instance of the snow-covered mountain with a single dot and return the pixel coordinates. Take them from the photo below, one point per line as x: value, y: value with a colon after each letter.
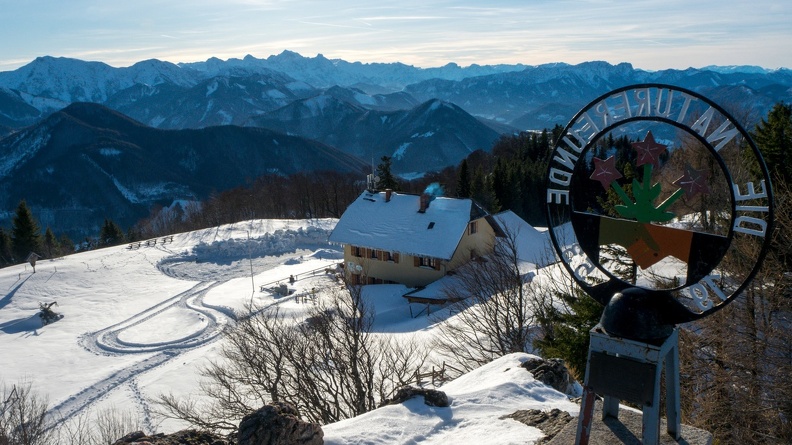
x: 64, y: 80
x: 322, y: 72
x: 542, y: 96
x: 16, y: 110
x: 72, y: 80
x: 178, y: 96
x: 748, y: 69
x: 219, y: 100
x: 426, y: 119
x: 87, y: 162
x: 428, y: 137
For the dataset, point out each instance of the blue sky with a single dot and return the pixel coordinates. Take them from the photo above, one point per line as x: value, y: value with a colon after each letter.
x: 649, y: 34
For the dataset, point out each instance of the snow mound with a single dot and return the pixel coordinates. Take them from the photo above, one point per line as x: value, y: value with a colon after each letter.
x: 478, y: 401
x: 268, y: 244
x: 327, y: 254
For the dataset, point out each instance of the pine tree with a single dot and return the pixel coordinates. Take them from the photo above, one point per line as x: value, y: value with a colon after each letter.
x: 51, y: 244
x: 506, y: 186
x: 481, y: 190
x: 386, y: 178
x: 774, y: 139
x: 6, y: 249
x: 25, y: 232
x: 544, y: 143
x: 134, y: 234
x: 111, y: 234
x: 463, y: 181
x: 65, y: 245
x: 566, y: 330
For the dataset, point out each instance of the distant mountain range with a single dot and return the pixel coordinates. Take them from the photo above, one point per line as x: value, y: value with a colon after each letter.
x: 216, y: 92
x: 428, y: 137
x: 108, y: 125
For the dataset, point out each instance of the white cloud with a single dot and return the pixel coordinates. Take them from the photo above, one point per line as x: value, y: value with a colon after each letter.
x: 650, y: 34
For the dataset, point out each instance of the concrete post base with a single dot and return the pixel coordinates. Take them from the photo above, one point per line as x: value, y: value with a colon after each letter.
x: 627, y: 430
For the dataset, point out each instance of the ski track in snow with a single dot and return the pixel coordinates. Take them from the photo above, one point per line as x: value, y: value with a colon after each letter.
x: 107, y: 342
x: 77, y: 402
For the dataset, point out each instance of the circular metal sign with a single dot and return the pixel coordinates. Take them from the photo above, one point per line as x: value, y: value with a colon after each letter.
x: 655, y: 187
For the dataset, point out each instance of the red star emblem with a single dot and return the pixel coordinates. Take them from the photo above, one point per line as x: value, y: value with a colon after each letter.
x: 693, y: 182
x: 605, y: 171
x: 648, y: 151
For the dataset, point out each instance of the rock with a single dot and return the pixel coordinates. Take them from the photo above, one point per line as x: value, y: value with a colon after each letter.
x: 184, y: 437
x: 130, y: 438
x: 278, y: 424
x: 551, y: 423
x: 551, y: 372
x: 432, y: 397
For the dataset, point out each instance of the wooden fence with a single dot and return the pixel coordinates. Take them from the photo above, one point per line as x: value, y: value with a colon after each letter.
x: 436, y: 375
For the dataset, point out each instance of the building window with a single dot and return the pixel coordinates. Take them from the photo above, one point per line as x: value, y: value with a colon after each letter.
x: 393, y: 257
x: 425, y: 261
x: 472, y: 227
x: 357, y: 251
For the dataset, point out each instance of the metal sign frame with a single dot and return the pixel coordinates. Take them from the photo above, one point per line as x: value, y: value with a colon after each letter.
x: 723, y: 143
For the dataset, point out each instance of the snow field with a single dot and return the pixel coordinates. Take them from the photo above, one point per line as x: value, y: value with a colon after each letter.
x: 140, y: 322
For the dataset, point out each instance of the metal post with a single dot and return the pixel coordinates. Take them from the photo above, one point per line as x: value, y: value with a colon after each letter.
x: 250, y: 260
x: 610, y: 407
x: 650, y: 421
x: 584, y: 419
x: 673, y: 414
x: 623, y: 369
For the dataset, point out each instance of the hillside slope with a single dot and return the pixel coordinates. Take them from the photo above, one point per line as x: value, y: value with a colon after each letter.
x: 427, y: 137
x: 87, y: 162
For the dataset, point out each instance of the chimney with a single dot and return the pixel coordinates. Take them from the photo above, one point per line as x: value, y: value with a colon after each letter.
x: 388, y: 193
x: 424, y: 203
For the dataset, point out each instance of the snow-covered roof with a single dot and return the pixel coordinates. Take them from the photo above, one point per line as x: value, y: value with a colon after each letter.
x: 398, y: 226
x: 532, y: 245
x: 434, y: 291
x: 437, y: 291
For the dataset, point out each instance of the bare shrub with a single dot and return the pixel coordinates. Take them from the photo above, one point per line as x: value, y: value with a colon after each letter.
x: 103, y: 427
x: 497, y: 307
x: 329, y: 365
x: 736, y: 363
x: 23, y: 416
